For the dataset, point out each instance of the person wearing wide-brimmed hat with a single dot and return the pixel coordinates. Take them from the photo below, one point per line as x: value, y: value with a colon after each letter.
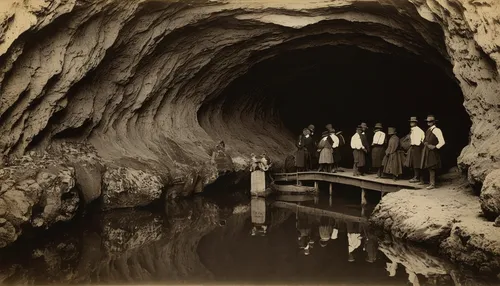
x: 414, y: 158
x: 366, y: 138
x: 335, y: 146
x: 433, y: 141
x: 393, y: 161
x: 378, y: 149
x: 358, y: 151
x: 325, y: 149
x: 303, y: 156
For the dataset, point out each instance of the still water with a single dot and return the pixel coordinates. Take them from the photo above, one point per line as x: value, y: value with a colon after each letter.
x: 285, y: 240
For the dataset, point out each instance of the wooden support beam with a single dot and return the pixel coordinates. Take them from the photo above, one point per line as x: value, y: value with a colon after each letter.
x: 363, y: 197
x: 331, y: 189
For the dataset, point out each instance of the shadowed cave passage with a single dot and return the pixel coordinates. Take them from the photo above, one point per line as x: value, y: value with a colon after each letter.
x: 346, y: 85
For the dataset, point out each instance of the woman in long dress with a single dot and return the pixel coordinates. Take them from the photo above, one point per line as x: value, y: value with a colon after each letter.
x: 325, y: 147
x: 393, y: 160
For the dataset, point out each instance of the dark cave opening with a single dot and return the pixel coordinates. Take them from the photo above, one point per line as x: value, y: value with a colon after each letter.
x: 346, y: 85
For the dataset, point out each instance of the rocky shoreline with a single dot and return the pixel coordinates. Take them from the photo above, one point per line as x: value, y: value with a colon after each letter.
x: 40, y: 189
x: 448, y: 219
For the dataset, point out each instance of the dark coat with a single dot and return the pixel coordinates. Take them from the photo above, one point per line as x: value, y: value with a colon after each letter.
x: 393, y: 160
x: 430, y: 158
x: 302, y: 156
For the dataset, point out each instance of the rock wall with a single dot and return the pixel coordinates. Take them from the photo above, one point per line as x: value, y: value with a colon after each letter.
x: 141, y: 80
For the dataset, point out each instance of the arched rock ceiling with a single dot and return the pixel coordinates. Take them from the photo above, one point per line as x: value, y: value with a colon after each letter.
x: 131, y: 76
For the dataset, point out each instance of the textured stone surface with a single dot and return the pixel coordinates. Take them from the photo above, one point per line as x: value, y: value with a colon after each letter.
x: 446, y: 217
x: 132, y: 76
x: 35, y: 191
x: 142, y: 80
x: 490, y: 195
x: 127, y: 187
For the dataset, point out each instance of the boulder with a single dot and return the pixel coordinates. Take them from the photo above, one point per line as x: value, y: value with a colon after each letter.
x: 127, y: 187
x: 35, y: 192
x: 490, y: 195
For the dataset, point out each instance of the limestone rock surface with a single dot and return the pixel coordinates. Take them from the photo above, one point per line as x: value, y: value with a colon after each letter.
x: 128, y: 187
x: 447, y: 218
x: 490, y: 195
x: 37, y: 192
x: 143, y: 81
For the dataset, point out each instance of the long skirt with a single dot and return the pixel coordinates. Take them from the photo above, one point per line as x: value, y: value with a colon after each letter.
x: 430, y: 159
x: 326, y: 156
x: 378, y: 153
x: 414, y: 158
x: 393, y: 163
x: 359, y: 157
x: 301, y: 158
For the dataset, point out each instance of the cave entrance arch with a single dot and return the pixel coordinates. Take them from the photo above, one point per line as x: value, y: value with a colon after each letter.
x: 346, y: 85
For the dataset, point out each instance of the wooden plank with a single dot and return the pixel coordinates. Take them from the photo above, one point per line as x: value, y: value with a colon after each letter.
x: 369, y: 182
x: 319, y: 212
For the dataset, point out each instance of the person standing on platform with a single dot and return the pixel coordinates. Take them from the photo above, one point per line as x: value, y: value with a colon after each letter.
x: 414, y: 158
x: 366, y: 138
x: 393, y: 161
x: 378, y: 150
x: 335, y: 146
x: 314, y: 154
x: 325, y: 150
x: 358, y: 151
x: 433, y: 141
x: 302, y: 156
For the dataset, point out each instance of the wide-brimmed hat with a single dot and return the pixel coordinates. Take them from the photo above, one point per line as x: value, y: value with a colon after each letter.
x: 430, y: 118
x: 378, y: 125
x: 413, y: 119
x: 391, y: 130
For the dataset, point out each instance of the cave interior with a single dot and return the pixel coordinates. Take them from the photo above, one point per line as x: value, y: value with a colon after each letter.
x: 346, y: 85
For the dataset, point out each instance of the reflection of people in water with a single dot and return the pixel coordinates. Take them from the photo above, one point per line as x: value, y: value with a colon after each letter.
x: 371, y: 245
x: 325, y: 230
x: 353, y: 237
x: 260, y: 216
x: 303, y: 224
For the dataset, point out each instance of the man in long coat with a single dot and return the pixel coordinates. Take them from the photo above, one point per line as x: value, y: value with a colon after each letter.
x: 366, y: 138
x: 378, y: 150
x: 433, y: 141
x: 414, y: 158
x: 393, y: 161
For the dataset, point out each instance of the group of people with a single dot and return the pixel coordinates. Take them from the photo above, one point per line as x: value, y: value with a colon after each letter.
x: 387, y: 153
x: 316, y: 230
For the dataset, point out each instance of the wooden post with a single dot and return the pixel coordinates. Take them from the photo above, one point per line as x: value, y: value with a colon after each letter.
x: 316, y: 186
x: 363, y: 197
x: 330, y: 201
x: 331, y: 189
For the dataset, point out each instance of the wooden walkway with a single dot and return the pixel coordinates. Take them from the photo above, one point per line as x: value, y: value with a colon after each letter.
x: 369, y: 182
x: 319, y: 212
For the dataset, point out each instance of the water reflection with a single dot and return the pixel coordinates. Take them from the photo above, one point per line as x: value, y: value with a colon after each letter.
x: 286, y: 240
